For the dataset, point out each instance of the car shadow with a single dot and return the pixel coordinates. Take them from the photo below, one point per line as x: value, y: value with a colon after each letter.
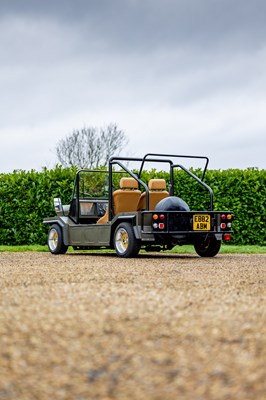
x: 140, y: 256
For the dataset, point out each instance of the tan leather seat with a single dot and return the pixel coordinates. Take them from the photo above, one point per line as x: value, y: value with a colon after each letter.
x: 157, y: 192
x: 126, y: 198
x: 104, y: 218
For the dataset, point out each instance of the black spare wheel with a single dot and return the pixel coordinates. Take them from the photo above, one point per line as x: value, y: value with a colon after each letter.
x: 177, y: 221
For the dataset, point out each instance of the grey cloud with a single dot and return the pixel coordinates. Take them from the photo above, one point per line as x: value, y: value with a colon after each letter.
x: 146, y: 24
x: 191, y: 65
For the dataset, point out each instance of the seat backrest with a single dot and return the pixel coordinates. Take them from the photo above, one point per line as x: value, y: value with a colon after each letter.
x: 157, y: 192
x: 126, y: 198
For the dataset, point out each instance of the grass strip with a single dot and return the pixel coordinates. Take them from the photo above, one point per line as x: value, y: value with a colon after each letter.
x: 186, y: 249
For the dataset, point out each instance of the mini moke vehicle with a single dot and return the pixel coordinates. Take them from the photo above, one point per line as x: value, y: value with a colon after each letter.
x: 118, y: 209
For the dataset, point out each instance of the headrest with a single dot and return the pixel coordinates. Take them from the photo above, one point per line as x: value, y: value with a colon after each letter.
x: 157, y: 184
x: 128, y: 183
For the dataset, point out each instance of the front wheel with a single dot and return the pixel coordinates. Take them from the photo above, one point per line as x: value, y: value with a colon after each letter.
x: 125, y: 243
x: 207, y: 247
x: 55, y: 240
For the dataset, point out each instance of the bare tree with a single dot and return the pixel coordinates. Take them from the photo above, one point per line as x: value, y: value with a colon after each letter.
x: 90, y: 147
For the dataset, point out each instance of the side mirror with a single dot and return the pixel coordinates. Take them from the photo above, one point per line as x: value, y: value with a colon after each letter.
x: 58, y: 206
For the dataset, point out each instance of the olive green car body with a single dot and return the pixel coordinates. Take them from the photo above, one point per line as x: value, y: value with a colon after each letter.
x: 93, y: 221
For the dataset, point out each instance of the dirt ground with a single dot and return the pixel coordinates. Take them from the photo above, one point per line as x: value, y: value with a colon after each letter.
x: 160, y: 326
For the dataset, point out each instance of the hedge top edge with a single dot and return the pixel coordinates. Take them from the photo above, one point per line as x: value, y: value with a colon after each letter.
x: 116, y: 209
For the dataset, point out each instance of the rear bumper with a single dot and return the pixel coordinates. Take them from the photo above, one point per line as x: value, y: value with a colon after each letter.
x: 176, y: 223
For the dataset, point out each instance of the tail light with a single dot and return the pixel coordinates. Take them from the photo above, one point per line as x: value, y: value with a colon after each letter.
x: 225, y: 224
x: 227, y: 237
x: 158, y: 221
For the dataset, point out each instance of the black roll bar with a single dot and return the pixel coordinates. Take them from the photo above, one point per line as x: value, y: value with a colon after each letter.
x: 145, y: 158
x: 198, y: 180
x: 150, y: 157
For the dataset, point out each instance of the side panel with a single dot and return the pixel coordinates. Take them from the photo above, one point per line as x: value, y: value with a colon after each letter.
x: 89, y: 235
x: 134, y: 218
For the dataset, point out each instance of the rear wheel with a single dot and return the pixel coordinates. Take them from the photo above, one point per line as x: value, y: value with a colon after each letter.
x: 125, y: 243
x: 207, y: 247
x: 55, y: 240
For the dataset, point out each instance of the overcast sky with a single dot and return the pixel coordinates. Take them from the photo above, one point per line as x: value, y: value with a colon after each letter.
x: 177, y: 76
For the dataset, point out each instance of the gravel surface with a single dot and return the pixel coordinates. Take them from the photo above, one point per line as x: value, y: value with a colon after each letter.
x: 160, y: 326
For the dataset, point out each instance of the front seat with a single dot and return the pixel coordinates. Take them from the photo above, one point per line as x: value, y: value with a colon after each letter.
x: 157, y: 192
x: 126, y: 198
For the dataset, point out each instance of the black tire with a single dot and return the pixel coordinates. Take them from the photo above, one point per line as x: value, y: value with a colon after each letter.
x: 55, y: 240
x: 125, y: 243
x: 207, y: 247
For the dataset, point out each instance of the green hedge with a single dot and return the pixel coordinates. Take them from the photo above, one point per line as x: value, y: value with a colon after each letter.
x: 240, y: 191
x: 26, y: 197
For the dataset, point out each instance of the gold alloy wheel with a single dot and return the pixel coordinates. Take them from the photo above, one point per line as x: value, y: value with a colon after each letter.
x: 121, y: 240
x: 53, y: 239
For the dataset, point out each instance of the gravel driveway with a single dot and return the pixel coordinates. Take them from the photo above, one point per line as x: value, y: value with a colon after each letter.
x: 160, y: 326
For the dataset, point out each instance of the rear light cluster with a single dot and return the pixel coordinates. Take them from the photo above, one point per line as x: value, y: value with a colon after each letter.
x: 158, y: 221
x: 226, y: 221
x: 226, y: 224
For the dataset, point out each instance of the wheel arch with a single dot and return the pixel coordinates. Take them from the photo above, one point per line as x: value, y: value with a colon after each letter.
x: 126, y: 218
x: 63, y: 227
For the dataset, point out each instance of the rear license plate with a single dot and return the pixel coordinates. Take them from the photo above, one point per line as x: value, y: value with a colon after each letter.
x: 201, y: 222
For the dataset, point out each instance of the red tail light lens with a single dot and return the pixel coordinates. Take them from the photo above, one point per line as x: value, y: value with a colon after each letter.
x: 227, y: 237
